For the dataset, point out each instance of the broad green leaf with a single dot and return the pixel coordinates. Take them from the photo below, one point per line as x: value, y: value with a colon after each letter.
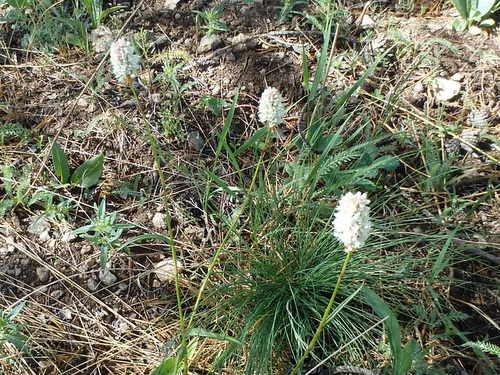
x: 460, y: 24
x: 484, y: 6
x: 16, y: 339
x: 463, y: 7
x: 5, y: 205
x: 253, y: 141
x: 392, y: 325
x: 387, y: 162
x: 60, y: 163
x: 88, y: 174
x: 403, y: 363
x: 103, y: 257
x: 8, y: 176
x: 167, y: 367
x: 200, y: 332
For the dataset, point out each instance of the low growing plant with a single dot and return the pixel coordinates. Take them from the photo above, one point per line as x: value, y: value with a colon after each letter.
x: 478, y: 12
x: 85, y: 176
x: 104, y: 232
x: 210, y: 18
x: 10, y: 332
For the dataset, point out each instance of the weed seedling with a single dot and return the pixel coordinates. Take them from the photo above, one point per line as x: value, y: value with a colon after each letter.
x: 104, y: 232
x: 9, y: 331
x: 210, y: 19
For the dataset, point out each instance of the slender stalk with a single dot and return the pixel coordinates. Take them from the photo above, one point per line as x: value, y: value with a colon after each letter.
x: 226, y: 238
x: 168, y: 219
x: 324, y: 319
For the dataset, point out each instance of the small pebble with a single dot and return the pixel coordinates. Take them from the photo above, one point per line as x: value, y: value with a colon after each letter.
x: 107, y: 277
x: 43, y: 274
x: 57, y: 294
x: 195, y: 141
x: 66, y: 314
x: 92, y: 284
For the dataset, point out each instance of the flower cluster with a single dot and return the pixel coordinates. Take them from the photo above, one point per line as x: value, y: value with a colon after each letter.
x: 271, y: 108
x: 352, y: 220
x: 125, y: 61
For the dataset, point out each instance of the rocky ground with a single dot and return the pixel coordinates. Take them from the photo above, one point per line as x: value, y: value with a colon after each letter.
x: 81, y: 319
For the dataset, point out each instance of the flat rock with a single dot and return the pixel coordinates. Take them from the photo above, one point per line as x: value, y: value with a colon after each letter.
x: 446, y: 89
x: 209, y: 43
x: 165, y: 270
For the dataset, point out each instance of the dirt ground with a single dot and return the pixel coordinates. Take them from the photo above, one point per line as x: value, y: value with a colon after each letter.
x: 76, y: 323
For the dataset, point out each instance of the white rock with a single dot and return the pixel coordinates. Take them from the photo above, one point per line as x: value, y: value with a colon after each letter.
x: 159, y: 220
x: 458, y: 76
x: 367, y: 22
x: 40, y: 225
x: 170, y: 4
x: 474, y: 30
x: 446, y: 89
x: 165, y: 270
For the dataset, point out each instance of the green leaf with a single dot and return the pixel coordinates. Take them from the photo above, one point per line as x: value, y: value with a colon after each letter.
x: 214, y: 104
x: 387, y: 162
x: 392, y: 325
x: 7, y: 180
x: 16, y: 309
x: 403, y: 363
x: 167, y: 367
x: 253, y: 141
x: 460, y: 24
x: 88, y: 174
x: 484, y: 6
x: 200, y: 332
x: 442, y: 260
x: 16, y: 339
x: 463, y: 7
x: 60, y: 163
x: 103, y: 257
x: 5, y: 205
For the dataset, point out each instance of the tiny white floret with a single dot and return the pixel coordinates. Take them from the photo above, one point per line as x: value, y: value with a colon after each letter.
x: 352, y: 225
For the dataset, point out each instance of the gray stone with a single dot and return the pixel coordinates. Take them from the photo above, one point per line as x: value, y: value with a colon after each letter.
x: 107, y: 277
x: 195, y: 141
x: 209, y: 43
x: 92, y: 284
x: 57, y: 294
x: 43, y: 274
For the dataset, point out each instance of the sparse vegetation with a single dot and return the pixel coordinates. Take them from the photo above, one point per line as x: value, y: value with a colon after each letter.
x: 317, y: 193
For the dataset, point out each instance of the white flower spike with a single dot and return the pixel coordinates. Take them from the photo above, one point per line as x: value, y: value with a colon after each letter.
x: 352, y: 225
x: 271, y: 108
x: 125, y: 62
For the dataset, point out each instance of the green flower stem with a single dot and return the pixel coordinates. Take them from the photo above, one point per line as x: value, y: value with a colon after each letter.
x: 225, y: 240
x: 324, y: 319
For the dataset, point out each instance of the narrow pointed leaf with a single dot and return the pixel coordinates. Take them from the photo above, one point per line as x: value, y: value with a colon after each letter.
x: 60, y: 163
